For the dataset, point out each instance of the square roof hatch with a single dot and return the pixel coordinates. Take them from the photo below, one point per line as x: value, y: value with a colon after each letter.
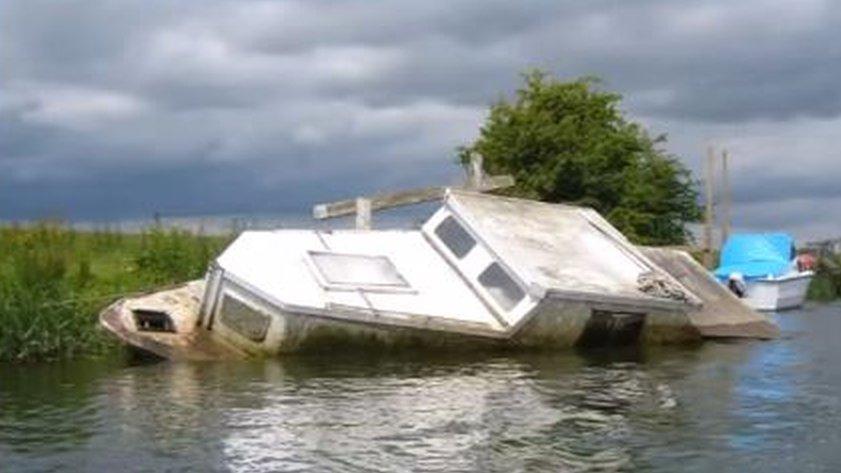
x: 344, y: 271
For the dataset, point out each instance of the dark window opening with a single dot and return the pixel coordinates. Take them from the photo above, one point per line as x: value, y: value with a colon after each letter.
x: 455, y: 237
x: 501, y: 287
x: 153, y: 321
x: 606, y: 328
x: 243, y: 319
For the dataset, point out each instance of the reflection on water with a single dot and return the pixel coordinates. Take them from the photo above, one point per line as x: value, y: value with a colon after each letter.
x: 725, y: 406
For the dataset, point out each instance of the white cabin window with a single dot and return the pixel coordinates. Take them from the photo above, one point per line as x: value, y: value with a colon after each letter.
x: 504, y: 290
x: 455, y: 237
x: 357, y: 271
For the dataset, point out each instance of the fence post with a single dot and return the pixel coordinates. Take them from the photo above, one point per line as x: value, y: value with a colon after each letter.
x: 477, y: 173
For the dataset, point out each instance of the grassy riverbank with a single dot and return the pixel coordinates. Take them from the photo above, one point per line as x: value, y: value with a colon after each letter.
x: 54, y: 280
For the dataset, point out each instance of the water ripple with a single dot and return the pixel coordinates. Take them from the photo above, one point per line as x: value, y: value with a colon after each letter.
x: 750, y: 406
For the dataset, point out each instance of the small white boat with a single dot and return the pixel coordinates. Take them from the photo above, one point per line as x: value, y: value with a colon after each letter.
x: 763, y: 270
x: 779, y: 293
x: 482, y: 271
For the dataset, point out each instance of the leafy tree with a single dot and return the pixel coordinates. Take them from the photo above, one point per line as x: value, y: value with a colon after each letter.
x: 569, y: 142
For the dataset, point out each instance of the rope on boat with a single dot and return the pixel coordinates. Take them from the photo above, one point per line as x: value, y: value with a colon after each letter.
x: 657, y: 285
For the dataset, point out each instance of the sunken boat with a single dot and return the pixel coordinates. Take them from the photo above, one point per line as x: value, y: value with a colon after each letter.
x: 482, y: 271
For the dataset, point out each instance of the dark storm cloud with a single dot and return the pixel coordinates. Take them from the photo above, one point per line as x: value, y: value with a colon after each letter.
x: 116, y: 194
x: 711, y: 60
x: 772, y: 189
x: 112, y: 108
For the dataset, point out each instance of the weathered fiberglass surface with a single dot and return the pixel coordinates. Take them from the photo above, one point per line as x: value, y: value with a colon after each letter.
x: 275, y: 263
x: 555, y: 246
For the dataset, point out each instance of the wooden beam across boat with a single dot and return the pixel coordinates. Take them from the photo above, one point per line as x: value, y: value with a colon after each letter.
x: 346, y: 207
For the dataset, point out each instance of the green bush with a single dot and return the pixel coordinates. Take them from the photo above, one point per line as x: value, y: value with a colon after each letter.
x: 54, y: 281
x: 822, y: 289
x: 570, y: 142
x: 826, y: 285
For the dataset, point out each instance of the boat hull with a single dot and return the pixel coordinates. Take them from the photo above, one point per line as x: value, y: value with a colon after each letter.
x: 238, y: 333
x: 234, y: 322
x: 287, y: 331
x: 788, y: 292
x: 184, y: 341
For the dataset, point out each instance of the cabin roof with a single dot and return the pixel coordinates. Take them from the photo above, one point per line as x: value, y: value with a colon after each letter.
x: 279, y: 265
x: 557, y: 247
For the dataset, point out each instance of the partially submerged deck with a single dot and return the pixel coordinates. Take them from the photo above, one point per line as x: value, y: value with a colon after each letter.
x: 722, y: 314
x: 185, y: 342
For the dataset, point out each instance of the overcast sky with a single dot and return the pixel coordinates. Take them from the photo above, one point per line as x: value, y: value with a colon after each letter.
x: 119, y: 109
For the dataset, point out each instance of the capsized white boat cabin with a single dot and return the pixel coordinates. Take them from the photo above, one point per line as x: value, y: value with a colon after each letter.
x: 482, y: 271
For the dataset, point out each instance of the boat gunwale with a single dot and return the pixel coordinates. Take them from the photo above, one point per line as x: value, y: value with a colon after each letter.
x: 785, y: 278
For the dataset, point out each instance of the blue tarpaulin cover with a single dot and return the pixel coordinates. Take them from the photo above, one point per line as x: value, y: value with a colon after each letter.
x: 756, y: 255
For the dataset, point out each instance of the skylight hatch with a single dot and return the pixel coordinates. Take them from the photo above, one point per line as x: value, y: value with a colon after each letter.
x: 357, y: 272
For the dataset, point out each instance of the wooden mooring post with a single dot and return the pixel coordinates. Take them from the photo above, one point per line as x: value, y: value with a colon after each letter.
x: 727, y: 198
x: 709, y: 216
x: 711, y: 190
x: 363, y: 207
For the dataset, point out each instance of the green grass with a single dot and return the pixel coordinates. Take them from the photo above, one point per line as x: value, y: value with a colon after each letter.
x: 54, y: 281
x: 826, y: 285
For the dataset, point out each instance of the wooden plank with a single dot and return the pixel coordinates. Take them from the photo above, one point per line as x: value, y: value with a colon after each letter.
x: 378, y: 202
x: 398, y: 199
x: 363, y: 213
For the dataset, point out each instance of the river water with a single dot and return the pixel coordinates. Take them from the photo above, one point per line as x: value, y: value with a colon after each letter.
x: 748, y: 406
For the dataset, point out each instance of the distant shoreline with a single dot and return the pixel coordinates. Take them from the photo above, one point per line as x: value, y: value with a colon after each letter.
x: 226, y: 224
